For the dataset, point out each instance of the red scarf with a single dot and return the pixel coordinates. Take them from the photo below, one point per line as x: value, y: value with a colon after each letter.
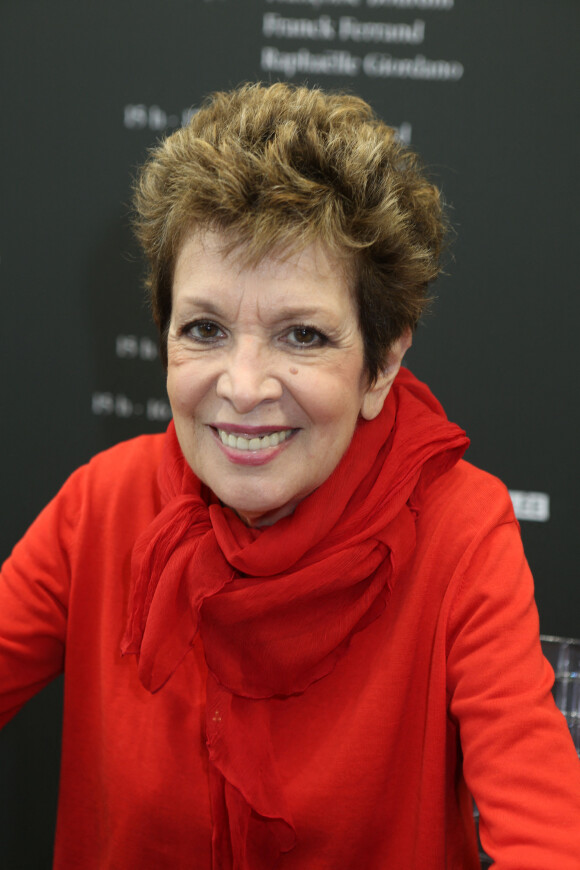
x: 277, y: 607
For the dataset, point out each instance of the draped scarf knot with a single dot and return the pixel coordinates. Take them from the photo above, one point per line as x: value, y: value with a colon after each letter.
x: 276, y: 608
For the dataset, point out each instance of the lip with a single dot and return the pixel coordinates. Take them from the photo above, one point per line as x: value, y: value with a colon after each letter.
x: 251, y: 457
x: 249, y: 430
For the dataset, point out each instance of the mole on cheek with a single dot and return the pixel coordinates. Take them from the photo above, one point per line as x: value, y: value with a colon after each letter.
x: 293, y: 371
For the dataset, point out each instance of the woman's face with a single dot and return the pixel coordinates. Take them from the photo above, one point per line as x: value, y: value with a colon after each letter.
x: 265, y: 374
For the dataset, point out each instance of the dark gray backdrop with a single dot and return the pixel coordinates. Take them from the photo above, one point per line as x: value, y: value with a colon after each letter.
x: 484, y: 89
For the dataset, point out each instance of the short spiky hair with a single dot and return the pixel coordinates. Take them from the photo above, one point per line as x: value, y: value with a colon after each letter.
x: 279, y: 167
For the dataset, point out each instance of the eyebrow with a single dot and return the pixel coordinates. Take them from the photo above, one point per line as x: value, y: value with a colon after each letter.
x: 198, y: 302
x: 289, y: 312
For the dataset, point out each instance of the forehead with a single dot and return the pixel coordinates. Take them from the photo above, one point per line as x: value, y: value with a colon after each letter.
x: 210, y: 261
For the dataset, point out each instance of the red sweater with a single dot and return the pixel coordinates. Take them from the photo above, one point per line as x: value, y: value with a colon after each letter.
x: 446, y: 691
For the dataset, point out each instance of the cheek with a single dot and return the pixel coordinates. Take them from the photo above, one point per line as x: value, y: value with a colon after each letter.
x: 329, y: 398
x: 185, y: 386
x: 175, y: 387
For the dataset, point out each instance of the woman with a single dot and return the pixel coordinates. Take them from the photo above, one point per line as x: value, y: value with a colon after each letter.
x: 298, y: 630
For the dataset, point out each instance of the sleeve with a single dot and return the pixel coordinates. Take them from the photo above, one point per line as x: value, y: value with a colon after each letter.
x: 519, y: 759
x: 34, y: 585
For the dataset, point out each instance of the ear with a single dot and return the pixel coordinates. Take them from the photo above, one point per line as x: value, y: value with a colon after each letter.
x: 374, y: 398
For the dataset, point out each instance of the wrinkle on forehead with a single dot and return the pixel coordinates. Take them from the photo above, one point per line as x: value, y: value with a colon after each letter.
x: 278, y: 290
x: 328, y: 260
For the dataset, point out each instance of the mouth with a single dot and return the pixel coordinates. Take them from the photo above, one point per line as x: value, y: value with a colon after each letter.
x: 253, y: 440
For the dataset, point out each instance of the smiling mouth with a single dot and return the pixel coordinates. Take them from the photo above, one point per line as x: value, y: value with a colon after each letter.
x: 253, y: 442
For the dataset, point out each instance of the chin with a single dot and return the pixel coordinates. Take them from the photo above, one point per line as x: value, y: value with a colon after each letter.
x: 255, y: 516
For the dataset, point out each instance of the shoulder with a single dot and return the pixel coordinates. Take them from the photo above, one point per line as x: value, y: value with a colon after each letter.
x: 121, y: 478
x: 468, y: 496
x: 143, y: 448
x: 460, y: 515
x: 142, y: 454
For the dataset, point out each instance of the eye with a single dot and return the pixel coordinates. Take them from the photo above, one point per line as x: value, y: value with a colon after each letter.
x: 204, y: 331
x: 306, y: 336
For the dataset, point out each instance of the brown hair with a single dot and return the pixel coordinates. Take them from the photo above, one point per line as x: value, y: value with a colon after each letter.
x: 278, y: 167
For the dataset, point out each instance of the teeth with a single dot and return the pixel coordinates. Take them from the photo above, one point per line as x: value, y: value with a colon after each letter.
x: 241, y: 443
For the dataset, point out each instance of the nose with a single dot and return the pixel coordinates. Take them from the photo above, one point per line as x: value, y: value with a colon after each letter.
x: 246, y: 379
